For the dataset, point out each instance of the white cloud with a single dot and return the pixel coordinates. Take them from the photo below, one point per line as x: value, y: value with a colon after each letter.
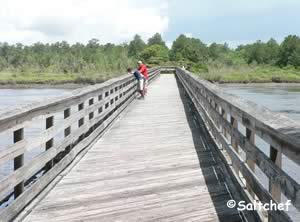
x: 79, y: 20
x: 169, y: 44
x: 215, y: 8
x: 189, y: 35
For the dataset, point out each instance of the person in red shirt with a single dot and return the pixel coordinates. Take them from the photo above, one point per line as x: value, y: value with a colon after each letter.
x: 142, y: 68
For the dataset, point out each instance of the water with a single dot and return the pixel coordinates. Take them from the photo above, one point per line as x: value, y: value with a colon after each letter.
x: 10, y: 99
x: 284, y: 99
x: 279, y: 98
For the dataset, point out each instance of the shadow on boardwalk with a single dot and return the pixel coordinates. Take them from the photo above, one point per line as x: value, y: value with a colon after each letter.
x: 214, y: 172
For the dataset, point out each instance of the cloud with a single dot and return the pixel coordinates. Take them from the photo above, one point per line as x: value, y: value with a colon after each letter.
x: 118, y: 21
x: 233, y: 21
x: 169, y: 44
x: 189, y: 35
x: 79, y: 20
x: 212, y: 8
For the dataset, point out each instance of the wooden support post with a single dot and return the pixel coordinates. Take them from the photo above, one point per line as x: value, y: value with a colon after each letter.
x: 217, y: 120
x: 275, y: 190
x: 67, y: 131
x: 224, y: 115
x: 81, y: 121
x: 49, y: 143
x: 67, y: 114
x: 250, y: 135
x: 234, y: 143
x: 18, y: 162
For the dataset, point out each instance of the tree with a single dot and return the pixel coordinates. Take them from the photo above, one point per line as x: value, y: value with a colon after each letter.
x: 93, y: 43
x: 289, y: 51
x: 190, y: 49
x: 295, y: 57
x: 136, y: 46
x: 216, y: 50
x: 155, y: 54
x: 156, y: 39
x: 273, y: 50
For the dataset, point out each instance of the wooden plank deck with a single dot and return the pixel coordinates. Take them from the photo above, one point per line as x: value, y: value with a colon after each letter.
x: 152, y: 165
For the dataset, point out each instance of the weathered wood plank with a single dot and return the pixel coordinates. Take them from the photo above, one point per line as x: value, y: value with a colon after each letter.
x: 12, y: 151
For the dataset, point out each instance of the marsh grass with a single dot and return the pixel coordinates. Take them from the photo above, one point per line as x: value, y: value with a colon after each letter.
x: 251, y: 74
x: 220, y: 74
x: 10, y: 78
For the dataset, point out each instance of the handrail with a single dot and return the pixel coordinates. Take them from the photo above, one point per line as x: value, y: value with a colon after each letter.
x: 80, y: 117
x: 281, y: 133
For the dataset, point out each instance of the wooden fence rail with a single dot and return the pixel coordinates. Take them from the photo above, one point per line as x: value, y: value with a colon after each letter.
x: 86, y: 114
x: 224, y: 116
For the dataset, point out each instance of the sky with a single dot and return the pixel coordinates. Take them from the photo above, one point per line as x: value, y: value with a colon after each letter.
x: 117, y: 21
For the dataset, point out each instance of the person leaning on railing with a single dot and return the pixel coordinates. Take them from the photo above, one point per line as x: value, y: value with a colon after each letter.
x: 142, y: 68
x: 140, y: 81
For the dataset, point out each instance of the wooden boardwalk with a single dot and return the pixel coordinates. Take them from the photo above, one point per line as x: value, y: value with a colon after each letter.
x: 154, y: 164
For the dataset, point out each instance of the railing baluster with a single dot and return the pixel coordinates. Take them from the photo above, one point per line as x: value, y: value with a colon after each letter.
x: 275, y: 190
x: 49, y: 143
x: 234, y: 144
x: 18, y: 162
x: 224, y: 115
x: 67, y: 113
x: 250, y: 135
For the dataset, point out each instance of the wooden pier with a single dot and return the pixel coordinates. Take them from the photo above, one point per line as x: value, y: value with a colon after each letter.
x: 178, y: 155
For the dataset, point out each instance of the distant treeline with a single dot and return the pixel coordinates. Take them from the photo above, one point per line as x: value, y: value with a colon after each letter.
x: 195, y: 54
x: 62, y: 57
x: 102, y: 59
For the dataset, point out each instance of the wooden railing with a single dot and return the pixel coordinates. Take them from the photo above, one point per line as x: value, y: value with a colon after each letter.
x: 85, y: 113
x: 224, y: 116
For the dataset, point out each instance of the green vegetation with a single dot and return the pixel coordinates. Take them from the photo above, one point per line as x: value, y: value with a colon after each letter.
x: 94, y: 62
x: 62, y: 63
x: 252, y: 74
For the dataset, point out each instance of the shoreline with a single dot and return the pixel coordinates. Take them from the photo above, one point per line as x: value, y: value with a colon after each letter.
x: 253, y: 82
x: 78, y: 85
x: 266, y: 84
x: 42, y: 85
x: 74, y: 85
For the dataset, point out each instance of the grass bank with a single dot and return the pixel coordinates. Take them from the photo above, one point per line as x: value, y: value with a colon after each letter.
x: 252, y: 74
x: 10, y: 78
x: 223, y: 74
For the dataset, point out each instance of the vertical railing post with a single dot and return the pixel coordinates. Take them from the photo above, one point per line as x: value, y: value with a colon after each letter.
x: 224, y: 115
x: 250, y: 135
x: 18, y: 161
x: 217, y: 117
x: 234, y: 144
x: 81, y: 121
x: 275, y: 190
x: 67, y: 131
x: 49, y: 143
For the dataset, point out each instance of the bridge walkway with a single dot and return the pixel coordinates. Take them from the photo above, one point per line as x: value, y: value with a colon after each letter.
x: 154, y: 164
